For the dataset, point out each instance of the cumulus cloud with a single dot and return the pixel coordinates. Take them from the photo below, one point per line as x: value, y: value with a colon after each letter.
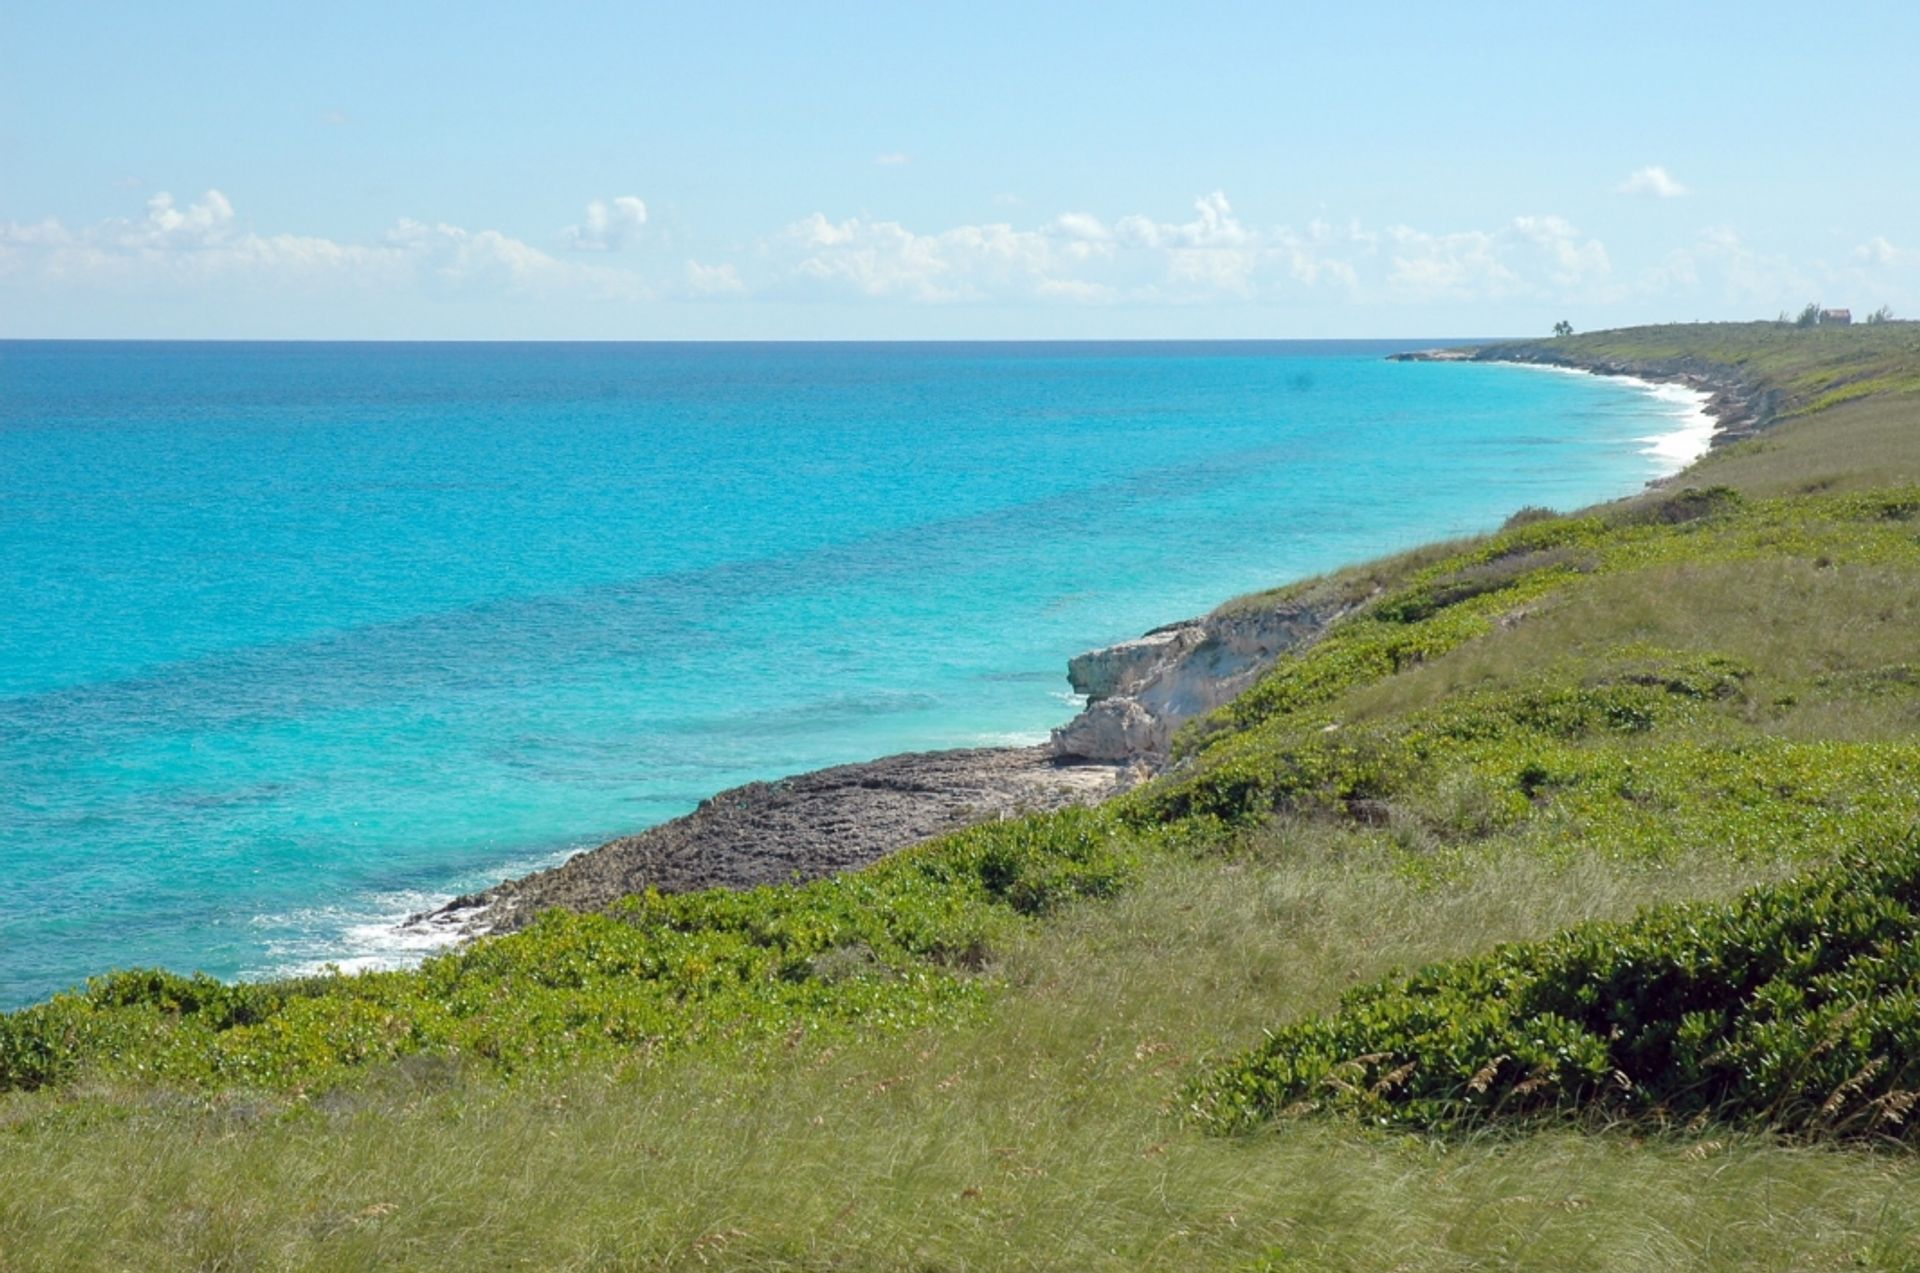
x: 610, y: 225
x: 892, y: 159
x: 205, y: 222
x: 1214, y: 254
x: 713, y: 280
x: 205, y: 242
x: 885, y: 259
x: 1462, y: 263
x: 1721, y: 258
x: 1213, y: 225
x: 1654, y: 181
x: 1077, y: 257
x: 1574, y: 259
x: 1879, y: 251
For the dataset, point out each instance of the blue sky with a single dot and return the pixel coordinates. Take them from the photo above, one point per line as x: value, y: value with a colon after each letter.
x: 982, y: 170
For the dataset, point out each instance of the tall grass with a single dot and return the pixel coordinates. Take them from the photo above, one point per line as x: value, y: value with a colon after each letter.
x: 1045, y: 1137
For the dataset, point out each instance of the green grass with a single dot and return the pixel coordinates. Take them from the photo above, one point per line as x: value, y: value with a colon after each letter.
x: 1815, y: 367
x: 1794, y: 1007
x: 983, y: 1052
x: 883, y: 949
x: 1048, y: 1134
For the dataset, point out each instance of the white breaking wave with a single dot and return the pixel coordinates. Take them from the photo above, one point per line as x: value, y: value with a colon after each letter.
x: 1009, y: 738
x: 1692, y: 435
x: 372, y: 932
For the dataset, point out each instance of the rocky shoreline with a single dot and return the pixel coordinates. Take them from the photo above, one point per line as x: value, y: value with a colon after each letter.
x: 820, y: 823
x: 1138, y: 694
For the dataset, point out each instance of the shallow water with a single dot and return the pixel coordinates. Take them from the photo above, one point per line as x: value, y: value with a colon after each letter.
x: 302, y: 637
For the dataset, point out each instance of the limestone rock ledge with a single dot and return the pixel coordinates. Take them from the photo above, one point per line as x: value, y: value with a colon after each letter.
x: 817, y: 824
x: 1140, y: 692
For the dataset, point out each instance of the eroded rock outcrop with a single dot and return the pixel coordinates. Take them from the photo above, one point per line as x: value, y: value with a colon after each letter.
x: 793, y: 829
x: 1140, y: 692
x: 831, y: 820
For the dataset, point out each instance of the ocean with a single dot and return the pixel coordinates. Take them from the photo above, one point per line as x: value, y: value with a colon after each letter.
x: 298, y: 639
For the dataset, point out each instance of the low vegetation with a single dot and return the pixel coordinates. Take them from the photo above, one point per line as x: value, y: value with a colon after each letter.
x: 1633, y: 790
x: 892, y: 946
x: 1807, y: 363
x: 1795, y: 1006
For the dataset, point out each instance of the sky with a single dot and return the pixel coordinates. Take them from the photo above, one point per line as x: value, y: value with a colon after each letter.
x: 972, y: 171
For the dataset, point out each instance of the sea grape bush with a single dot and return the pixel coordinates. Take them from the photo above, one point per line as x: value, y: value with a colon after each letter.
x: 1795, y: 1006
x: 657, y: 972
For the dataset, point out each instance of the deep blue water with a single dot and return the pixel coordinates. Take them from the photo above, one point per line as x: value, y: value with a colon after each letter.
x: 296, y: 638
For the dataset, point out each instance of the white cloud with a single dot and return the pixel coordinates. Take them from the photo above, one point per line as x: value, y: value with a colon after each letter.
x: 1532, y: 256
x: 1652, y: 180
x: 203, y: 223
x: 1463, y: 264
x: 1214, y: 255
x: 610, y: 225
x: 205, y: 243
x: 46, y: 232
x: 1214, y: 225
x: 1573, y: 261
x: 713, y: 280
x: 1878, y: 251
x: 336, y: 119
x: 1747, y: 275
x: 892, y: 159
x: 1082, y: 226
x: 885, y: 259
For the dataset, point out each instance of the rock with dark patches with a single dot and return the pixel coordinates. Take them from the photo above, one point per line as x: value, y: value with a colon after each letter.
x: 795, y: 829
x: 1140, y: 692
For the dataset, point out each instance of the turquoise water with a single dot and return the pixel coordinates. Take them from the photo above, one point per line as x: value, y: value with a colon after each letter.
x: 300, y: 638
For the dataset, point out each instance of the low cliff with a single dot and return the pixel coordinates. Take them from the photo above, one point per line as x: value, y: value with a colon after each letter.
x: 1140, y: 692
x: 839, y: 819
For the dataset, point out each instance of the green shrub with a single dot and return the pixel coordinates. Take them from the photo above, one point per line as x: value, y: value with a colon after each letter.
x: 1795, y: 1006
x: 1527, y: 514
x: 658, y: 971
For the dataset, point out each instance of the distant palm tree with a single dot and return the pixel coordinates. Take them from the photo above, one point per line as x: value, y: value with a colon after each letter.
x: 1563, y: 328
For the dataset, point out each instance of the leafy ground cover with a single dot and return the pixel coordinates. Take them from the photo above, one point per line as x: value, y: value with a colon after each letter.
x: 1795, y: 1006
x: 885, y: 948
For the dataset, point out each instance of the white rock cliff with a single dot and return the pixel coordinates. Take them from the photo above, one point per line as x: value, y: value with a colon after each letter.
x: 1139, y: 692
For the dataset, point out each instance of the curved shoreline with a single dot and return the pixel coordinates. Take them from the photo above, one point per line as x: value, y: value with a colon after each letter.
x: 1740, y: 404
x: 1683, y: 445
x: 843, y: 817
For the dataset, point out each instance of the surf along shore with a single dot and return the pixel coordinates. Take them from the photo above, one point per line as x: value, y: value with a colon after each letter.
x: 1138, y: 694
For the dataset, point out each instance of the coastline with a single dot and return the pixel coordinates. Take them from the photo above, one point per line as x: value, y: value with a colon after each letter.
x: 826, y: 821
x: 1740, y: 404
x: 1681, y: 446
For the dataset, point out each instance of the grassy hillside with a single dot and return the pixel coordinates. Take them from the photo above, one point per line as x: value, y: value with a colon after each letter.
x: 1851, y: 395
x: 1633, y: 789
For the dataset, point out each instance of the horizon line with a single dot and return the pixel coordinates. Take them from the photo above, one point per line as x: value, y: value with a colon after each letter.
x: 735, y: 340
